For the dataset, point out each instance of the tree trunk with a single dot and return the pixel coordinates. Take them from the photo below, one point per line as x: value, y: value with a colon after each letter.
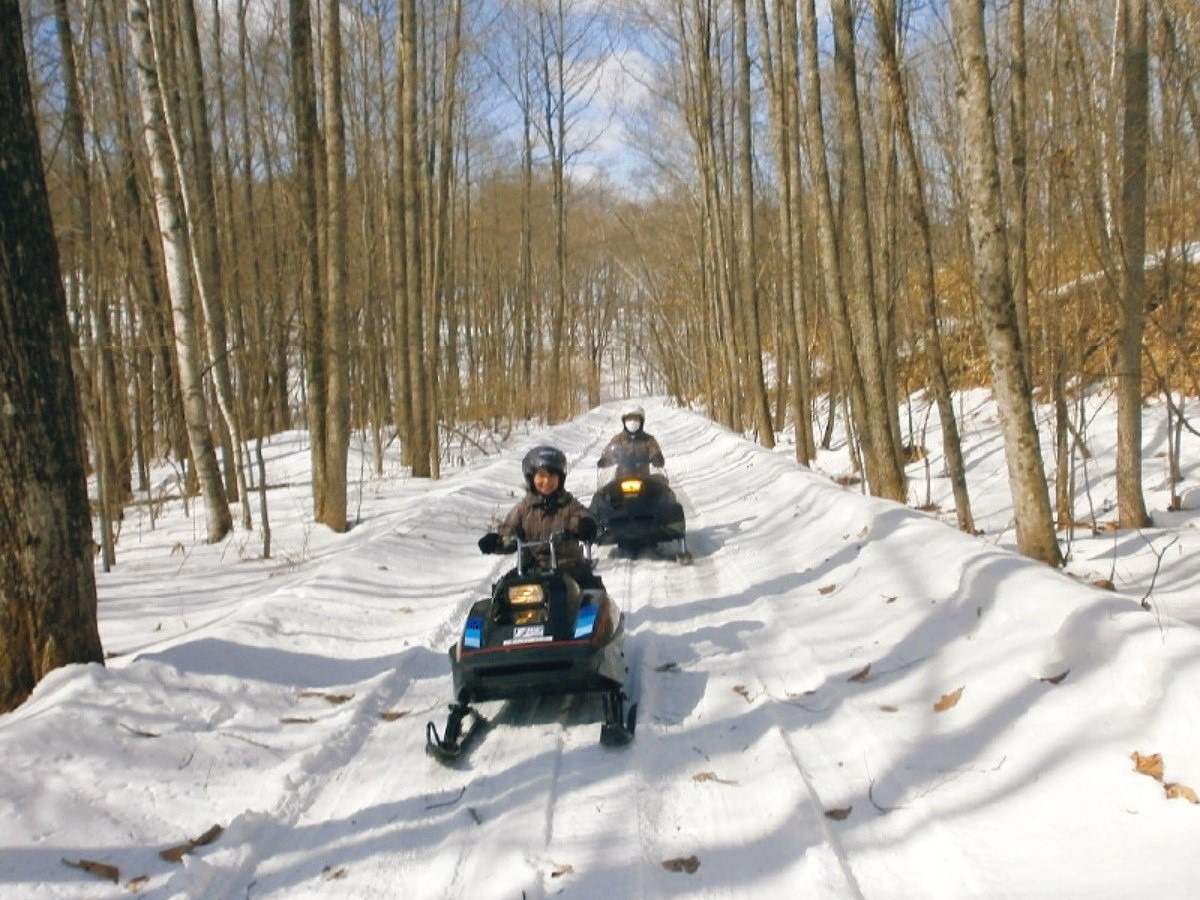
x: 179, y: 281
x: 1131, y: 506
x: 331, y: 505
x: 1027, y: 479
x: 880, y: 445
x: 47, y: 580
x: 912, y: 183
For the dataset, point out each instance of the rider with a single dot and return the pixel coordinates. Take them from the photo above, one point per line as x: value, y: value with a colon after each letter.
x: 547, y: 508
x: 633, y: 442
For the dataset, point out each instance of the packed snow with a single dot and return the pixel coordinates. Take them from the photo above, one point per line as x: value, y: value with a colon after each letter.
x: 841, y: 698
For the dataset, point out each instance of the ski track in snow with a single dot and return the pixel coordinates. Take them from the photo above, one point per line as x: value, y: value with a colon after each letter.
x: 755, y: 677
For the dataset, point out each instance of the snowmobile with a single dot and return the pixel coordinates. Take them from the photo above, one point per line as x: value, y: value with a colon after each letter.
x: 636, y: 509
x: 539, y: 633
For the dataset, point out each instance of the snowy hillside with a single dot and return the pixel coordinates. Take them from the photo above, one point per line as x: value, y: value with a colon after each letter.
x: 842, y: 697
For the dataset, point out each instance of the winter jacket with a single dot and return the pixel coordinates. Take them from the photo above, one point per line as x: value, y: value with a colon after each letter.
x: 535, y: 518
x: 632, y: 450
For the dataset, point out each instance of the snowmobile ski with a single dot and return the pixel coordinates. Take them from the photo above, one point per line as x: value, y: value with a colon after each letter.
x: 454, y: 741
x: 619, y: 724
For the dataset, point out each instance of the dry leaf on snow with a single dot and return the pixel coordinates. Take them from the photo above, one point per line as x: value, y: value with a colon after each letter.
x: 861, y: 674
x: 1055, y: 679
x: 104, y: 870
x: 838, y: 814
x: 560, y: 871
x: 1151, y: 764
x: 948, y: 701
x: 1177, y: 791
x: 687, y: 864
x: 710, y: 776
x: 176, y: 854
x: 743, y: 690
x: 827, y: 589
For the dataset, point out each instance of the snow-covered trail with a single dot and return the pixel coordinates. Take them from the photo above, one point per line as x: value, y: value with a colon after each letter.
x: 726, y: 681
x: 820, y: 714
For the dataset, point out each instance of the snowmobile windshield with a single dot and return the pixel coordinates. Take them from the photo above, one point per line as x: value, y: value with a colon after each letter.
x: 631, y: 461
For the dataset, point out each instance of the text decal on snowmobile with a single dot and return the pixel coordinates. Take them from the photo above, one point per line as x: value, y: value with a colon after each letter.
x: 586, y: 621
x: 529, y: 634
x: 473, y: 633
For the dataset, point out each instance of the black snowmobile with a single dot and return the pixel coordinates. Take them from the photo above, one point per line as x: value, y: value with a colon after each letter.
x: 636, y: 509
x: 539, y: 633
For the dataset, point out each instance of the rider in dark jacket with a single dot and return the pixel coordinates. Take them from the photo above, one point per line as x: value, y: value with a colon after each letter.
x: 547, y: 508
x: 633, y: 443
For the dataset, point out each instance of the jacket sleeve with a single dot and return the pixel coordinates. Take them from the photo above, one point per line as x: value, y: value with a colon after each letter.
x: 656, y: 454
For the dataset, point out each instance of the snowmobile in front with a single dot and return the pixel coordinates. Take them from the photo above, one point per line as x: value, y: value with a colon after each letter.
x: 636, y: 509
x: 538, y: 633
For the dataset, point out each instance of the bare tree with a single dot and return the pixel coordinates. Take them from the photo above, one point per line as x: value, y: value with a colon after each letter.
x: 1027, y: 479
x: 879, y: 439
x: 47, y: 583
x: 172, y: 229
x: 1131, y: 506
x: 913, y: 186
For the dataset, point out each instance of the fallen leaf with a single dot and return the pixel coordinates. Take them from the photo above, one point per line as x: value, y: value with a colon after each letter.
x: 133, y: 885
x: 710, y: 776
x: 296, y: 720
x: 887, y: 707
x: 560, y: 871
x: 331, y: 874
x: 104, y: 870
x: 668, y: 667
x: 948, y: 701
x: 827, y: 589
x: 743, y: 690
x: 687, y: 864
x: 1177, y: 791
x: 391, y: 715
x: 1151, y: 764
x: 861, y: 674
x: 176, y: 853
x: 838, y: 815
x: 1055, y: 679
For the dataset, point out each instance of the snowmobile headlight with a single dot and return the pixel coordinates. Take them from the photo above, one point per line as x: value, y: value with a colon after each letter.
x: 529, y: 617
x: 525, y: 594
x: 630, y: 486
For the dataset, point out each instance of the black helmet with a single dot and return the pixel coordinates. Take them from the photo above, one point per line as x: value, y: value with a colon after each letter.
x: 544, y: 457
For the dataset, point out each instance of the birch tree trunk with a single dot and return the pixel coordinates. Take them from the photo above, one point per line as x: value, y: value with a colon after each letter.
x: 179, y: 281
x: 998, y: 317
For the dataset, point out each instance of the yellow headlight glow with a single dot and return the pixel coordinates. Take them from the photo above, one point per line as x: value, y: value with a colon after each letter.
x: 631, y: 486
x: 525, y: 594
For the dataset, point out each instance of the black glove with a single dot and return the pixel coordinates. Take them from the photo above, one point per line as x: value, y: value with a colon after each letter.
x: 489, y: 542
x: 586, y: 530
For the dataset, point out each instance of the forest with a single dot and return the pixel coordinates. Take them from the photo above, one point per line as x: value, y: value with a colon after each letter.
x: 423, y: 220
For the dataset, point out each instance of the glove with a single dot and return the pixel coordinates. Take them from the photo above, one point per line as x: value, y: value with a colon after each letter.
x: 586, y: 530
x: 489, y: 542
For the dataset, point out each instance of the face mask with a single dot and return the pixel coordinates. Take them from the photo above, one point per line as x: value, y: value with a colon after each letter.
x: 633, y: 426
